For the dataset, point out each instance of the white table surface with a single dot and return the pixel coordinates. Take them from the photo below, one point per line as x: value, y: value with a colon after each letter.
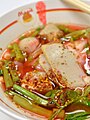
x: 5, y: 6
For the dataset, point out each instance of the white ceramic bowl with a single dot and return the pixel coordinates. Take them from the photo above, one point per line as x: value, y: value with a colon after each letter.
x: 22, y: 19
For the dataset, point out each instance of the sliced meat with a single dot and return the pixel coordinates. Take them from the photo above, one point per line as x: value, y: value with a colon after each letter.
x: 63, y: 62
x: 28, y: 44
x: 45, y: 65
x: 47, y: 68
x: 51, y: 31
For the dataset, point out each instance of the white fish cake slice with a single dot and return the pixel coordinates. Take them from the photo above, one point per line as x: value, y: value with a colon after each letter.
x: 44, y: 63
x: 63, y: 62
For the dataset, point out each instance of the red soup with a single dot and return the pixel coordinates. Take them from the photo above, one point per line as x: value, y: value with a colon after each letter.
x: 47, y: 71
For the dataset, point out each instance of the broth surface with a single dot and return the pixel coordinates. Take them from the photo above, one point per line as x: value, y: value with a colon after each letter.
x: 47, y: 71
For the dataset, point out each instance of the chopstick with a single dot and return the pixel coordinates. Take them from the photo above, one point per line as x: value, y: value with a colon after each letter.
x: 81, y: 5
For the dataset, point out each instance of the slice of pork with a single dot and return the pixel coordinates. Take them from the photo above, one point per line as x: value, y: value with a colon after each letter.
x: 51, y: 31
x: 28, y: 44
x: 47, y: 68
x: 63, y: 62
x: 44, y: 63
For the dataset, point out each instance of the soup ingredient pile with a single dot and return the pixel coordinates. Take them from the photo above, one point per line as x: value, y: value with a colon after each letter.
x: 47, y: 71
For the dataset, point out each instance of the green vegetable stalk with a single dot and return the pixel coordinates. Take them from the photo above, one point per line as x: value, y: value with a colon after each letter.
x: 33, y: 96
x: 65, y: 29
x: 22, y: 37
x: 23, y: 102
x: 10, y: 92
x: 36, y: 32
x: 7, y: 77
x: 1, y: 72
x: 28, y: 105
x: 76, y: 34
x: 14, y: 75
x: 18, y: 53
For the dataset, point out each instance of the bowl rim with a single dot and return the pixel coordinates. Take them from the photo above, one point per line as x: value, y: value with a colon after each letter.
x: 31, y: 2
x: 13, y: 9
x: 11, y: 114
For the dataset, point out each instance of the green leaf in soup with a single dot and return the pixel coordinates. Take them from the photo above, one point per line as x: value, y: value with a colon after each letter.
x: 71, y: 94
x: 52, y: 93
x: 77, y: 116
x: 85, y: 101
x: 86, y: 91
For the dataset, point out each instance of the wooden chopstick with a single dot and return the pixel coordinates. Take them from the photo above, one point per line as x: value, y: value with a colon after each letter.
x: 81, y: 5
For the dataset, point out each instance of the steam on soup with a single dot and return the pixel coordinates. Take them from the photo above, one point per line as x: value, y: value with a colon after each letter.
x: 47, y: 71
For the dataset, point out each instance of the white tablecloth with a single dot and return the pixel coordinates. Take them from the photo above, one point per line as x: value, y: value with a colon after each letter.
x: 5, y: 6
